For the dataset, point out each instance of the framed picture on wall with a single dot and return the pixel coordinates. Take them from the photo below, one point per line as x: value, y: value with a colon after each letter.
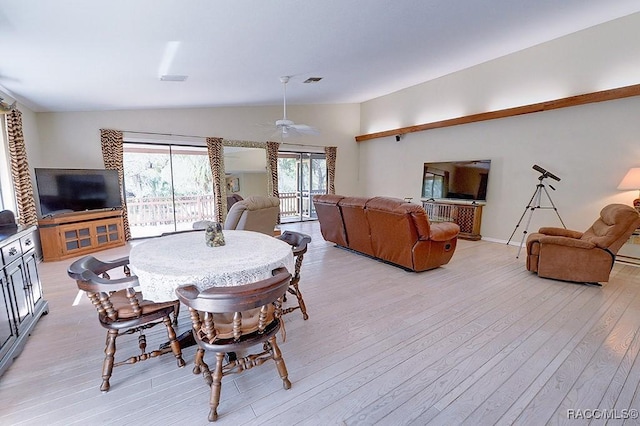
x: 233, y: 184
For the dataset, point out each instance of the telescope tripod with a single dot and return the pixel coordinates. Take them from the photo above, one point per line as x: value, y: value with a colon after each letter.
x: 534, y: 204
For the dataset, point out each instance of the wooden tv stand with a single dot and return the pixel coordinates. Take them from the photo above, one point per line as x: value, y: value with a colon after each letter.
x: 73, y: 234
x: 468, y: 215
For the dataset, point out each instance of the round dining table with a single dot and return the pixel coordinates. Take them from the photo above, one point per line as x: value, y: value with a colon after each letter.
x: 163, y: 264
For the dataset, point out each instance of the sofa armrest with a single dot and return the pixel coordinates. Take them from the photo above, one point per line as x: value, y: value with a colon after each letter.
x: 560, y: 232
x: 566, y: 241
x: 443, y: 231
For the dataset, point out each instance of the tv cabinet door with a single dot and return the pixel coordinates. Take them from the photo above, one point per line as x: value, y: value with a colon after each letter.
x: 108, y: 232
x: 75, y: 238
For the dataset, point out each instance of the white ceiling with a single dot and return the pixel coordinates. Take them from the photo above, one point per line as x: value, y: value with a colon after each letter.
x: 85, y: 55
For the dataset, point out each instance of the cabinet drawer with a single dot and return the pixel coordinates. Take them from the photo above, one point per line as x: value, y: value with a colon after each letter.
x: 11, y: 252
x: 27, y: 243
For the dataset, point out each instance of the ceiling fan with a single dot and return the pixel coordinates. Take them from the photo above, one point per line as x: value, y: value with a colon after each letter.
x: 287, y: 127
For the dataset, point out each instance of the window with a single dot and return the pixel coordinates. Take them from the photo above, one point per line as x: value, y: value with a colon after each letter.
x: 434, y: 183
x: 167, y: 187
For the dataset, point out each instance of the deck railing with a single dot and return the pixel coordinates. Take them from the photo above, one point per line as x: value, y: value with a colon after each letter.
x: 289, y: 204
x: 148, y: 212
x: 160, y: 210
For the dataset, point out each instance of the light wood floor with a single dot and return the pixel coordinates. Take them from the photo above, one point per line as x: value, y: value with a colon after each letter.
x: 480, y: 341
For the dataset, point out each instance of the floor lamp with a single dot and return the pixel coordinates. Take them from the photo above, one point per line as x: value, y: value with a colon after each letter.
x: 631, y: 181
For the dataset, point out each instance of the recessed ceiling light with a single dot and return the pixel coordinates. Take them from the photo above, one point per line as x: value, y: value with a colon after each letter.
x: 312, y: 80
x: 173, y: 77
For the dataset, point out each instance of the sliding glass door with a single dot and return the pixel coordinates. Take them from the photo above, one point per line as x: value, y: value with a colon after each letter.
x: 167, y: 187
x: 301, y: 175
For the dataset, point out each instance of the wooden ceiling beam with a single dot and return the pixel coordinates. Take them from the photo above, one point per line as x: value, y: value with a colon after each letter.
x: 604, y: 95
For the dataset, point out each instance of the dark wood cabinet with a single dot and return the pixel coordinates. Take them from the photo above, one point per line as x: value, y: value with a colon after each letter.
x: 21, y: 297
x: 7, y: 327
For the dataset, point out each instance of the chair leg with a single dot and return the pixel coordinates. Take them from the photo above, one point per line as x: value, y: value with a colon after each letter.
x: 280, y: 365
x: 176, y: 312
x: 173, y: 341
x: 303, y: 307
x: 198, y: 361
x: 216, y: 386
x: 107, y: 365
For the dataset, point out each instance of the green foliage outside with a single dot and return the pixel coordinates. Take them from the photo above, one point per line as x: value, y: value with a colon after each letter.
x: 148, y: 175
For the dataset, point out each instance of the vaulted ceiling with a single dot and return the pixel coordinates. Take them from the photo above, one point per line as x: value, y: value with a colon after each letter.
x: 80, y: 55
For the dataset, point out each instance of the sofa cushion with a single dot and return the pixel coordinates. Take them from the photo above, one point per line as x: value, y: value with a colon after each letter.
x: 393, y: 232
x: 355, y: 224
x: 330, y: 217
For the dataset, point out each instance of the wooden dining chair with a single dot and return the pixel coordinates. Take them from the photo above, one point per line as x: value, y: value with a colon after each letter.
x: 122, y: 310
x: 298, y: 243
x: 228, y: 319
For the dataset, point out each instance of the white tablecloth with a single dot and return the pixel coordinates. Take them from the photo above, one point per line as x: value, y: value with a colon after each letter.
x: 163, y: 264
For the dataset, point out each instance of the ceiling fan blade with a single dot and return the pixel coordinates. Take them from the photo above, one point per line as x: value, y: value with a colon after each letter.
x: 305, y: 129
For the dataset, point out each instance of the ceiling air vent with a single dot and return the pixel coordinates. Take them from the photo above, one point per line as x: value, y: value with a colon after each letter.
x: 173, y: 77
x: 313, y: 80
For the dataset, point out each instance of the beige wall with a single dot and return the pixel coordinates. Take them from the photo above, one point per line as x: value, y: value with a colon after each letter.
x: 73, y: 140
x: 589, y: 147
x: 253, y: 184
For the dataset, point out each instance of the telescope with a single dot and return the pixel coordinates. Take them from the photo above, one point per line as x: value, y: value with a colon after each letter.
x: 534, y: 203
x: 545, y: 173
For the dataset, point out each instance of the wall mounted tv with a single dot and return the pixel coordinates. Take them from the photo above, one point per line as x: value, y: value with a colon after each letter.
x: 73, y: 190
x: 458, y: 180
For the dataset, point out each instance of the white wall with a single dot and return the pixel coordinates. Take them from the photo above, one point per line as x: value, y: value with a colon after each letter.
x: 589, y: 147
x: 73, y: 139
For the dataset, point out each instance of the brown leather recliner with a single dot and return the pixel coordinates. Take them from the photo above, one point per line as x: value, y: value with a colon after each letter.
x: 588, y: 256
x: 388, y: 229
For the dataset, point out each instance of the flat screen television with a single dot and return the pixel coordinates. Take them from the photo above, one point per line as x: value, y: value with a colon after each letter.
x: 458, y: 180
x: 73, y: 190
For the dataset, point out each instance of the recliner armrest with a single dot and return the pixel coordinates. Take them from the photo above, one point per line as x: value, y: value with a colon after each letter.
x: 560, y: 232
x: 566, y: 241
x: 443, y: 231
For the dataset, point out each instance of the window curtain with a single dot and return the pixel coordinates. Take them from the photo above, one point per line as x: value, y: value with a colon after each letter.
x: 330, y: 153
x: 23, y: 187
x: 112, y: 155
x: 272, y: 168
x: 216, y: 158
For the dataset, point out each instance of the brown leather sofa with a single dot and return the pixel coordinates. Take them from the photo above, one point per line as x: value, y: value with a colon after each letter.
x: 568, y: 255
x: 389, y: 229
